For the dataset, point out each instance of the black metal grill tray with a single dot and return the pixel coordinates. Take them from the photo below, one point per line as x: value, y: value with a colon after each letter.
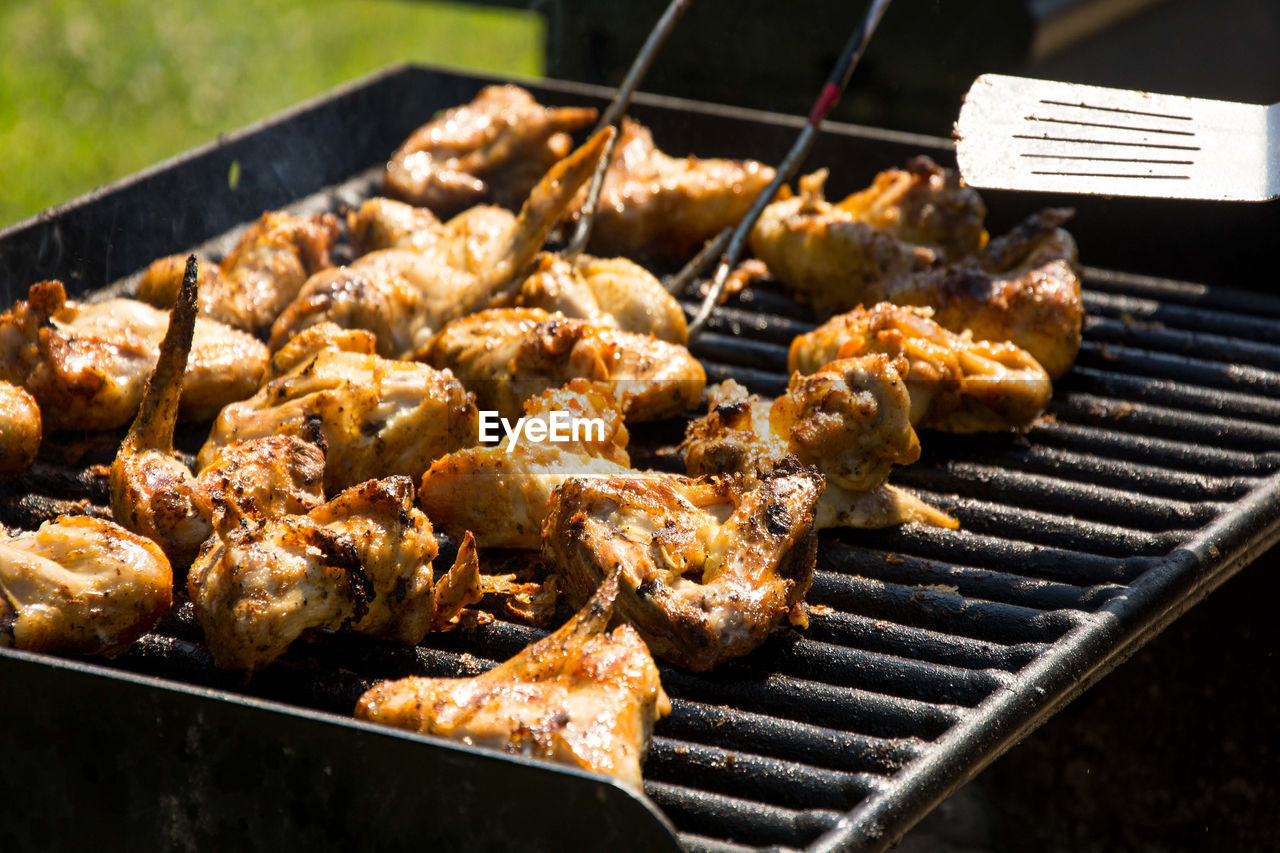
x: 1153, y: 480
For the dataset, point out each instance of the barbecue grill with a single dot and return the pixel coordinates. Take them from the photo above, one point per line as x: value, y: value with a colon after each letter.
x: 1151, y: 481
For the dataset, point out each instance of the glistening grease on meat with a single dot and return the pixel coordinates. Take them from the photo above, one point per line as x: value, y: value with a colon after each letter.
x: 709, y: 566
x: 582, y: 696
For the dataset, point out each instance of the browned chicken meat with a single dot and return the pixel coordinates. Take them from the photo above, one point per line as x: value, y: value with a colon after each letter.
x: 361, y: 562
x: 607, y: 291
x: 1021, y: 287
x: 261, y: 274
x: 20, y: 429
x: 583, y: 696
x: 655, y: 205
x: 80, y: 585
x: 154, y: 493
x: 955, y: 383
x: 613, y: 292
x: 851, y: 419
x: 509, y: 355
x: 709, y: 566
x: 403, y: 295
x: 374, y: 416
x: 507, y: 487
x: 923, y: 204
x: 86, y: 364
x: 492, y: 149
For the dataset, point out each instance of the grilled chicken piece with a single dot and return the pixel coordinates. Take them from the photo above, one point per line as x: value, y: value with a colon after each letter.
x: 1020, y: 288
x: 709, y: 566
x: 607, y: 291
x: 923, y: 204
x: 955, y: 383
x: 86, y: 364
x: 361, y: 562
x: 508, y: 355
x: 492, y: 149
x: 403, y: 295
x: 654, y: 205
x: 611, y: 292
x: 374, y: 416
x: 19, y: 429
x: 850, y: 419
x: 153, y: 493
x: 261, y: 274
x: 582, y: 696
x: 507, y: 488
x: 467, y: 241
x: 80, y: 585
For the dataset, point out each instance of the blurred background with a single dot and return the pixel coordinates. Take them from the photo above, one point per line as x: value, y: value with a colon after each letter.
x: 93, y: 90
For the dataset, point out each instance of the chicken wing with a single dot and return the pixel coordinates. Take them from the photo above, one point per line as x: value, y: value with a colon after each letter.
x: 80, y: 585
x: 86, y: 364
x: 361, y: 562
x: 654, y: 205
x: 465, y: 241
x: 404, y: 295
x: 507, y: 488
x: 923, y: 204
x: 582, y: 696
x: 709, y: 567
x: 607, y: 291
x: 373, y: 416
x: 850, y: 419
x: 494, y: 148
x: 153, y: 493
x: 1021, y: 287
x: 261, y: 274
x: 508, y: 355
x: 956, y: 383
x: 611, y: 292
x: 19, y: 429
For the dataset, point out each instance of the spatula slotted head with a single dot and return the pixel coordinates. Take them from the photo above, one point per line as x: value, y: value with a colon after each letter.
x: 1022, y: 134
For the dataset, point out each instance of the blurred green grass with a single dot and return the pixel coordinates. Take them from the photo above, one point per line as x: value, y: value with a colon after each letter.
x: 92, y: 91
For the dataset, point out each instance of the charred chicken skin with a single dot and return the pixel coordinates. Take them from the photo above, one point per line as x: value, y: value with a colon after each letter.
x: 80, y: 585
x: 507, y: 488
x: 20, y: 429
x: 259, y: 277
x: 361, y: 562
x: 87, y: 364
x: 492, y: 149
x: 851, y: 419
x: 373, y: 416
x: 404, y: 295
x: 153, y: 493
x: 1021, y: 287
x: 663, y: 207
x: 709, y: 566
x: 956, y: 383
x: 582, y: 696
x: 509, y: 355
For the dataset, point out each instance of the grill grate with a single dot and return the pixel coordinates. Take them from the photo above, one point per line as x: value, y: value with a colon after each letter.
x: 1153, y: 478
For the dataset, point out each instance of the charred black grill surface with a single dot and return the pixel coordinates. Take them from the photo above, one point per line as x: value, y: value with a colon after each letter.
x: 1150, y: 481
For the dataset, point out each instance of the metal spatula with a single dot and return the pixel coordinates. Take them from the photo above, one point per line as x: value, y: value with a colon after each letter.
x: 1021, y: 134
